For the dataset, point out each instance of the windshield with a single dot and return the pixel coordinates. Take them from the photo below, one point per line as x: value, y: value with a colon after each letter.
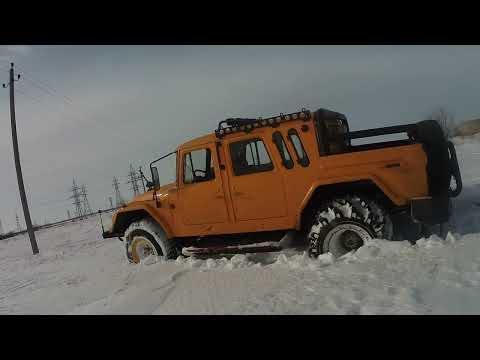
x: 167, y: 168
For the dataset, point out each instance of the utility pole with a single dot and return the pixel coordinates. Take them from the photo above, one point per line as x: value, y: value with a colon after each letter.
x: 16, y: 154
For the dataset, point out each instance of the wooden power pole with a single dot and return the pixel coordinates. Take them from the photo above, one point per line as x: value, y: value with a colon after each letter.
x: 21, y: 187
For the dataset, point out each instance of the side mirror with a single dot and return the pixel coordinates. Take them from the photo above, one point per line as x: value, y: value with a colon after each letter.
x: 155, y: 178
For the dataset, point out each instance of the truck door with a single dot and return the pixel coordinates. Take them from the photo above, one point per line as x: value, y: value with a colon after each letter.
x: 201, y: 196
x: 256, y: 186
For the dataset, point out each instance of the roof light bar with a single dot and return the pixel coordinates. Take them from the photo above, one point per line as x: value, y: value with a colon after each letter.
x: 246, y: 125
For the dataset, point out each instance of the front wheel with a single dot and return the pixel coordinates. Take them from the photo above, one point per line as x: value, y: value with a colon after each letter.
x: 345, y: 224
x: 145, y: 238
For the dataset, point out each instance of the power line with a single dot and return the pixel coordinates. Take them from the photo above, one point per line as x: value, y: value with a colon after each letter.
x: 72, y: 111
x: 61, y: 112
x: 44, y: 85
x: 45, y: 90
x: 52, y: 91
x: 29, y: 96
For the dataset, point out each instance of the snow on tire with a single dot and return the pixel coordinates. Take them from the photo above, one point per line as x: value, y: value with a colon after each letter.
x: 146, y: 238
x: 344, y: 224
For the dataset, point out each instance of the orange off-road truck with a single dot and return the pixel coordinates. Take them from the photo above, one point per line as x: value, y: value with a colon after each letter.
x: 243, y: 187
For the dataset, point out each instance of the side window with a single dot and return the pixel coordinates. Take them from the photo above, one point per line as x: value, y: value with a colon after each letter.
x: 197, y: 166
x: 250, y: 156
x: 282, y: 149
x: 302, y: 157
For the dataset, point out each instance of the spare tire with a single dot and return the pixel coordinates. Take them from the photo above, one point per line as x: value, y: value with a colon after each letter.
x: 431, y: 135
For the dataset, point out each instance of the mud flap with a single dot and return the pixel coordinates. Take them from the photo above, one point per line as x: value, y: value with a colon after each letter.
x: 455, y: 171
x: 431, y: 211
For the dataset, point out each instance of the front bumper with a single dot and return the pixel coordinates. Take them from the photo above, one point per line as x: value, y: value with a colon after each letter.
x: 109, y: 235
x: 438, y: 209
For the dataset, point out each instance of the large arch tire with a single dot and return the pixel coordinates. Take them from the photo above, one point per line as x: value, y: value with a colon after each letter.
x: 147, y: 232
x: 344, y: 224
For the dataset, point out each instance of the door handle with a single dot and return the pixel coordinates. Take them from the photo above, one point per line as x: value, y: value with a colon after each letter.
x: 219, y: 194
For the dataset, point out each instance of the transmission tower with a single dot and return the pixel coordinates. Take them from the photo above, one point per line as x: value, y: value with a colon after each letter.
x: 111, y: 202
x: 87, y: 210
x: 68, y: 214
x: 134, y: 178
x: 140, y: 174
x: 1, y: 228
x: 17, y: 219
x: 77, y: 199
x: 118, y: 197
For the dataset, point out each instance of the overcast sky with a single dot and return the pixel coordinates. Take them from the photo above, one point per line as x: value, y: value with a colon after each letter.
x: 89, y: 111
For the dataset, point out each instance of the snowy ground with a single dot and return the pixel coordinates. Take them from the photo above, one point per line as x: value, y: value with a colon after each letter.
x: 80, y: 273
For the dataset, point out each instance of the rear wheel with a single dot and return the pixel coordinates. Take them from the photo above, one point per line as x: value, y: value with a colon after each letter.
x: 345, y: 224
x: 145, y: 238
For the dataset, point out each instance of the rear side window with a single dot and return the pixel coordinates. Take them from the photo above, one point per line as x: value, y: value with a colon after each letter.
x: 302, y: 157
x: 250, y: 156
x: 282, y: 149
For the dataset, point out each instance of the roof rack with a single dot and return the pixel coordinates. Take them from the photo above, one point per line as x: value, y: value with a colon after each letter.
x: 234, y: 125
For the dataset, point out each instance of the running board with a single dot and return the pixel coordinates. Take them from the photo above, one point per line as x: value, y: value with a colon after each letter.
x: 240, y: 249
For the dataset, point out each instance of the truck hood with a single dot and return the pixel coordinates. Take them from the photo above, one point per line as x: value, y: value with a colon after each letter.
x: 162, y: 194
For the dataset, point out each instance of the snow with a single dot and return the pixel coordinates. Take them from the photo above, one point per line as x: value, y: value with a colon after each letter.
x: 78, y: 272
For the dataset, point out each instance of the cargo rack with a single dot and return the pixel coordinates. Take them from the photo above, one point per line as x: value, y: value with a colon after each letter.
x: 234, y: 125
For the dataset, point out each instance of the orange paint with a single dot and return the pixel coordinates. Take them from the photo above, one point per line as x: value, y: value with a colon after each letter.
x: 272, y: 199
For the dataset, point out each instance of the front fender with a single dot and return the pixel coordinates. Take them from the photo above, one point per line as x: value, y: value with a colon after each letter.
x: 123, y: 217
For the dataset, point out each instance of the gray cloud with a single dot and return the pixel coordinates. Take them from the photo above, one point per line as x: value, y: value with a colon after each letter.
x: 133, y: 103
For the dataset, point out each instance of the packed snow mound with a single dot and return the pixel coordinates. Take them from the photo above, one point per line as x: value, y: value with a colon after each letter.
x: 78, y: 272
x: 469, y: 127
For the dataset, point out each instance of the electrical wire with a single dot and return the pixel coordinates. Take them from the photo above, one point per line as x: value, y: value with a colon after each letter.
x: 37, y: 100
x: 49, y: 89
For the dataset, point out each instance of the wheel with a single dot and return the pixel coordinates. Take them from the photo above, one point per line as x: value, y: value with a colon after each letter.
x: 345, y: 224
x: 146, y: 238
